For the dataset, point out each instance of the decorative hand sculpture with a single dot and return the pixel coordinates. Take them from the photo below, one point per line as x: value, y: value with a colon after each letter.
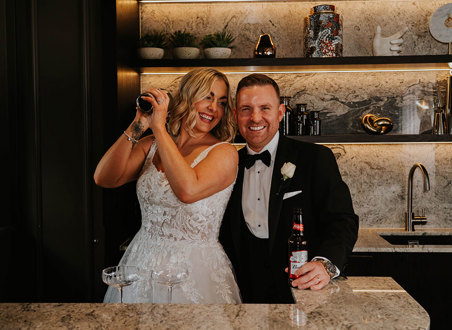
x: 389, y: 46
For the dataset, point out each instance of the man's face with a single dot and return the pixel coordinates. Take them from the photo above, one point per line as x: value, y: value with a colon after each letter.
x: 258, y: 114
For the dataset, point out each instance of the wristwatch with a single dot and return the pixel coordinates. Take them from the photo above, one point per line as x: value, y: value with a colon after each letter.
x: 329, y: 267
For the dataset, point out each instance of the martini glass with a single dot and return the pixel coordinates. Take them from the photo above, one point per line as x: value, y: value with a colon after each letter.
x: 120, y: 276
x: 170, y: 275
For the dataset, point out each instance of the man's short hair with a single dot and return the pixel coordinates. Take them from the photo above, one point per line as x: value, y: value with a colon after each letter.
x: 257, y: 79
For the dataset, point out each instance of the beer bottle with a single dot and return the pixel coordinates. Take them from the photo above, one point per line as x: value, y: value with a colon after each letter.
x: 298, y: 246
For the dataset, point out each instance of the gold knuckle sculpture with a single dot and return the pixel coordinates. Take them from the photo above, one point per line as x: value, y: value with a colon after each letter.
x: 376, y: 125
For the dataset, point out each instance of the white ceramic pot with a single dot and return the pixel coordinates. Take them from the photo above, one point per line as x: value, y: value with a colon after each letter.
x: 151, y: 53
x: 186, y: 52
x: 217, y: 52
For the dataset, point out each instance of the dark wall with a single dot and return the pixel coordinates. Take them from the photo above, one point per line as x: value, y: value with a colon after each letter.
x: 60, y: 92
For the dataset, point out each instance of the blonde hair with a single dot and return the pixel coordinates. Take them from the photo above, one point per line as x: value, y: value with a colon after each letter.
x: 195, y: 86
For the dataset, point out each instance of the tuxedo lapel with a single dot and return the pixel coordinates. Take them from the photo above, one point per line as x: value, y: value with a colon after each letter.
x: 284, y: 154
x: 236, y: 212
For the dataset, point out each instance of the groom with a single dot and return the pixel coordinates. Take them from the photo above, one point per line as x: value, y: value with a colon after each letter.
x: 258, y: 220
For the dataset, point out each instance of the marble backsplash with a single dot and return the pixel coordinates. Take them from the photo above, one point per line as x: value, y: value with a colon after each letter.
x: 344, y: 98
x: 284, y: 21
x: 377, y: 174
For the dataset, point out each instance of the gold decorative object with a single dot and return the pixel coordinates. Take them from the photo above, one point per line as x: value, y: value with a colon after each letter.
x: 376, y: 125
x: 265, y: 46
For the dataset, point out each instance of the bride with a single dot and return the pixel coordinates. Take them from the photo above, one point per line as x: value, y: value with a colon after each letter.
x: 184, y: 179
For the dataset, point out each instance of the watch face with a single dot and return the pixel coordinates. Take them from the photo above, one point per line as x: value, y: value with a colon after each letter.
x: 329, y: 267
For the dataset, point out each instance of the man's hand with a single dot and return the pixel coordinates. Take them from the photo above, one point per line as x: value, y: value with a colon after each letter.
x: 312, y: 275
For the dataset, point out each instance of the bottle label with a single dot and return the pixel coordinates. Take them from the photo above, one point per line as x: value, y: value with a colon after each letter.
x: 297, y: 226
x: 297, y: 259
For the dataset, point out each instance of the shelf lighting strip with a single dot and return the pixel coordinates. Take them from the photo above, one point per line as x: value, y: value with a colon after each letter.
x: 228, y: 71
x: 196, y: 1
x: 226, y: 1
x: 168, y: 69
x: 300, y: 71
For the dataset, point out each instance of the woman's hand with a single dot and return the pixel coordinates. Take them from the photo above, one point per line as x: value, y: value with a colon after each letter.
x: 160, y: 102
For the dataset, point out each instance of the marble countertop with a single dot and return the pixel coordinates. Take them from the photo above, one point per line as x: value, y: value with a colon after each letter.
x: 357, y: 302
x: 369, y: 240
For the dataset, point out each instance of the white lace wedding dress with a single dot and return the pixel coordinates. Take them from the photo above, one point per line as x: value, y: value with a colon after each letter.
x: 172, y: 232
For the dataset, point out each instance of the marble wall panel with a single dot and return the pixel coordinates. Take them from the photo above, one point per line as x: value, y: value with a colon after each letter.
x: 284, y: 21
x: 376, y: 174
x: 344, y: 98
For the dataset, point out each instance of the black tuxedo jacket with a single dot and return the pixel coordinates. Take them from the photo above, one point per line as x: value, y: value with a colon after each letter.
x: 330, y: 224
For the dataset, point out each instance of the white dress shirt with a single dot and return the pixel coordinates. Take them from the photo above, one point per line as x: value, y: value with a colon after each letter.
x: 256, y: 191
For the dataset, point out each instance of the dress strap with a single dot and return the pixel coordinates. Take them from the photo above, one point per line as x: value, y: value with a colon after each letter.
x: 204, y: 153
x: 151, y: 151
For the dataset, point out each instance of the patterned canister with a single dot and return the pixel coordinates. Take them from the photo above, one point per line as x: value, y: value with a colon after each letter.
x: 323, y: 32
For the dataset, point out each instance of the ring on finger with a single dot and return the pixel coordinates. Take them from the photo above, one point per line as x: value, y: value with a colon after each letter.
x: 159, y: 101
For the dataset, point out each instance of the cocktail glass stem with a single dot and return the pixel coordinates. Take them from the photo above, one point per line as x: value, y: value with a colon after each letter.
x: 120, y: 293
x: 170, y: 293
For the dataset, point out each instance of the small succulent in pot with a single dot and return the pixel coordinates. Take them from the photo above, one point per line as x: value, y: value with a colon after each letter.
x: 184, y: 45
x: 218, y: 39
x: 182, y: 39
x: 154, y: 39
x: 218, y: 44
x: 152, y: 44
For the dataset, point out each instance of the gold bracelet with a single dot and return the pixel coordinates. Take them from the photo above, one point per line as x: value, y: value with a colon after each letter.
x: 129, y: 138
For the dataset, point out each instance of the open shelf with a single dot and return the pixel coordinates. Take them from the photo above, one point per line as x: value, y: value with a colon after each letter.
x: 366, y: 138
x: 361, y: 63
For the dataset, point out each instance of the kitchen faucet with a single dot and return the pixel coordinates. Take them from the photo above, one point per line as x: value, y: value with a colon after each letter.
x: 410, y: 218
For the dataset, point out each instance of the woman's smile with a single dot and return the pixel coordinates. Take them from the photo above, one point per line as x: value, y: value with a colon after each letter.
x: 205, y: 117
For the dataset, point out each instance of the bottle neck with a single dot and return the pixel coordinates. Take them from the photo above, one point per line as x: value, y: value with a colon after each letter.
x: 297, y: 226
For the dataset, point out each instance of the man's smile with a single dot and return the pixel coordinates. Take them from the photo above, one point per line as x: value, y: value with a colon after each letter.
x: 256, y: 128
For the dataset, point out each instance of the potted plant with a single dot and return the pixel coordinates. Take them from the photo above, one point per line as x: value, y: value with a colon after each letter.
x: 218, y: 44
x: 151, y: 45
x: 184, y: 45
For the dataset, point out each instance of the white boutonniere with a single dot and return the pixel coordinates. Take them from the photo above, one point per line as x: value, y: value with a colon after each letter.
x: 287, y: 170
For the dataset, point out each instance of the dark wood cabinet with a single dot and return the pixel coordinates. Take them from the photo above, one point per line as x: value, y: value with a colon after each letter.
x: 62, y: 106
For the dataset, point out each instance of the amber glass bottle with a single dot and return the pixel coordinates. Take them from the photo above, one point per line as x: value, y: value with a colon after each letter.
x: 298, y: 246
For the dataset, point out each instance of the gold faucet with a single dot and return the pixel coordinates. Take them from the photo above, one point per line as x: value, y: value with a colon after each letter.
x: 410, y: 218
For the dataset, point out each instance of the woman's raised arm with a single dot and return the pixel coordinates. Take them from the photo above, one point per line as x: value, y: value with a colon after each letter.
x: 123, y: 161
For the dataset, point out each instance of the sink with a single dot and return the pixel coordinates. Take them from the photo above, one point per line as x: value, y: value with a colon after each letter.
x: 423, y: 239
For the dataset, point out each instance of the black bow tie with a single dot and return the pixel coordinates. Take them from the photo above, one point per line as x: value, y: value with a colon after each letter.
x: 249, y: 160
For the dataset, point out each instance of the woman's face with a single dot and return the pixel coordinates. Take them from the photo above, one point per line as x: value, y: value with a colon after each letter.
x: 211, y: 108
